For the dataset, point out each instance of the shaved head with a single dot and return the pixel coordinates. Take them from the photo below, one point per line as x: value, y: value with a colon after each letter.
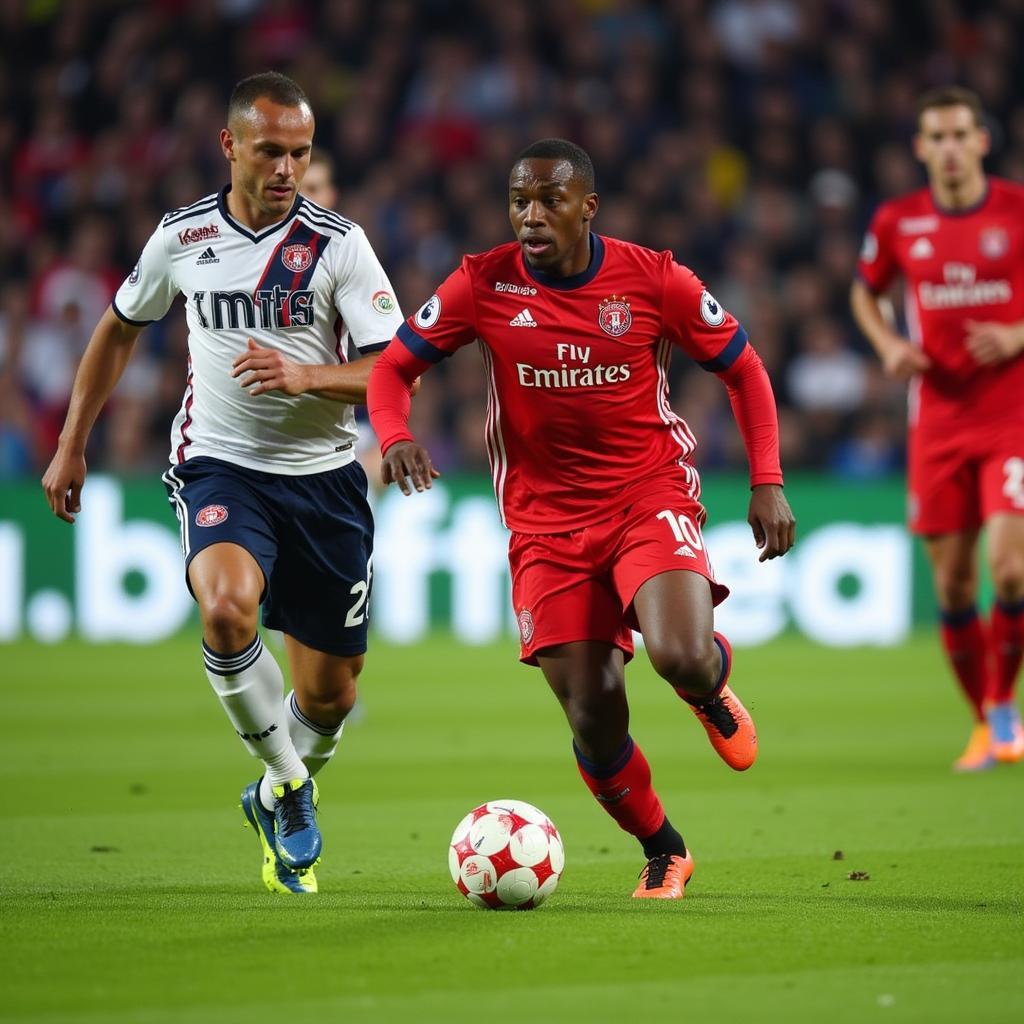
x: 269, y: 85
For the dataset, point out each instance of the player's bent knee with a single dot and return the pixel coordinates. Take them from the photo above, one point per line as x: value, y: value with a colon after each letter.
x: 690, y: 668
x: 1008, y: 577
x: 955, y: 595
x: 228, y: 621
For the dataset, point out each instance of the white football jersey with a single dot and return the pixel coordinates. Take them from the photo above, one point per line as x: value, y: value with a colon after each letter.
x: 307, y: 286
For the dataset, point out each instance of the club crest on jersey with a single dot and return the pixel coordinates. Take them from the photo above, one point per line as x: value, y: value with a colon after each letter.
x: 711, y: 311
x: 211, y: 515
x: 525, y: 620
x: 994, y: 243
x: 297, y: 258
x: 613, y: 316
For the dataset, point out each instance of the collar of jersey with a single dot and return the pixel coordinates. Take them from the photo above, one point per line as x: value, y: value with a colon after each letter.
x: 574, y: 280
x: 222, y: 206
x: 964, y: 210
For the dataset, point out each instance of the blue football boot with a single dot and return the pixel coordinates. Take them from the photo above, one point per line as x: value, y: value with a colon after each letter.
x: 276, y: 877
x: 296, y: 836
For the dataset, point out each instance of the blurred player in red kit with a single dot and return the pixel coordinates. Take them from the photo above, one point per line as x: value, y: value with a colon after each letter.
x: 958, y: 244
x: 592, y: 471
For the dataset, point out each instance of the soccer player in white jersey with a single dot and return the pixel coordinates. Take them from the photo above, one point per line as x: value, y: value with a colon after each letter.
x: 270, y: 500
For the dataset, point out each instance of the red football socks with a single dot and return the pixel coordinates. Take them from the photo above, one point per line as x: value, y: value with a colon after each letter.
x: 623, y: 788
x: 1007, y: 638
x: 963, y: 637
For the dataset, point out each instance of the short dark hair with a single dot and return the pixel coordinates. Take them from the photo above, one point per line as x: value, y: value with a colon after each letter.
x: 271, y: 85
x: 951, y: 96
x: 562, y: 149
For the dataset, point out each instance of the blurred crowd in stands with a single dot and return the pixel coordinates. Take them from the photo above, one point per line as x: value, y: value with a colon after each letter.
x: 753, y: 138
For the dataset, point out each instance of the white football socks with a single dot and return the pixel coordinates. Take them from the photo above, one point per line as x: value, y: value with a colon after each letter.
x: 249, y: 684
x: 315, y: 743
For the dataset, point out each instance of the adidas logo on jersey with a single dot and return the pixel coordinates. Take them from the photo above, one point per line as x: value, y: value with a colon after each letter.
x: 524, y: 318
x: 922, y: 249
x: 686, y: 551
x: 207, y: 256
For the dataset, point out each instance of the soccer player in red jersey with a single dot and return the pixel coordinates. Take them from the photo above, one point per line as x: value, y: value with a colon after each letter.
x: 593, y: 473
x: 959, y: 247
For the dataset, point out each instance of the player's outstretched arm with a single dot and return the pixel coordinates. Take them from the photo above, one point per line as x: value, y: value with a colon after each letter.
x: 900, y: 358
x: 101, y: 367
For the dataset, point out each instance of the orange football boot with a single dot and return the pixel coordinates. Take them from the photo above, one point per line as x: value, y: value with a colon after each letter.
x: 664, y: 877
x: 727, y: 722
x: 977, y: 755
x: 730, y: 729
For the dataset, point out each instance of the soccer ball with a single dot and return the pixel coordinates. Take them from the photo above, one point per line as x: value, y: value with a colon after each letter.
x: 506, y: 855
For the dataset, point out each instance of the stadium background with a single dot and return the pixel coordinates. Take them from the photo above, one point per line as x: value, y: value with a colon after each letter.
x: 750, y: 137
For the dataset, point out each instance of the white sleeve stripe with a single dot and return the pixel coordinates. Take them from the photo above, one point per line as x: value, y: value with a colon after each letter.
x: 203, y: 206
x: 321, y: 223
x: 315, y: 209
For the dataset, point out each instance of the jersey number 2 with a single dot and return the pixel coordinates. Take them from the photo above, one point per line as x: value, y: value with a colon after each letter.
x: 360, y: 591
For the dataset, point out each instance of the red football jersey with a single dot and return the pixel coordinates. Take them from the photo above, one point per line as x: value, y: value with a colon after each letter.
x: 958, y: 266
x: 579, y: 420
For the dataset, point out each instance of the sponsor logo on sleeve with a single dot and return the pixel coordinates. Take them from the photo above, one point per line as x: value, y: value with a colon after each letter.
x: 429, y: 313
x: 133, y: 277
x: 869, y: 248
x: 297, y: 258
x: 613, y: 316
x: 711, y: 311
x: 383, y: 302
x: 211, y: 515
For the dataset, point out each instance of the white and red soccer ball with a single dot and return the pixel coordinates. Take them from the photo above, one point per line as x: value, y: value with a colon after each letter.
x: 506, y: 855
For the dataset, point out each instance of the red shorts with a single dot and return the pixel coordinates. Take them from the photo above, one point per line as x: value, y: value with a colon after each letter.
x: 580, y: 585
x: 958, y: 482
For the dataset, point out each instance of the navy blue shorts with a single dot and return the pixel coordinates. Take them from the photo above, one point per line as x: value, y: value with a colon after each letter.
x: 311, y: 535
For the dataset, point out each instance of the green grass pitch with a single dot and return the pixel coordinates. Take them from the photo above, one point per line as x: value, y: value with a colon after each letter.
x: 129, y: 891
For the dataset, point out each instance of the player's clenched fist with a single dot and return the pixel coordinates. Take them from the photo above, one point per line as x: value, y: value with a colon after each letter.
x: 405, y: 462
x: 62, y: 484
x: 772, y: 521
x: 903, y: 359
x: 991, y: 342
